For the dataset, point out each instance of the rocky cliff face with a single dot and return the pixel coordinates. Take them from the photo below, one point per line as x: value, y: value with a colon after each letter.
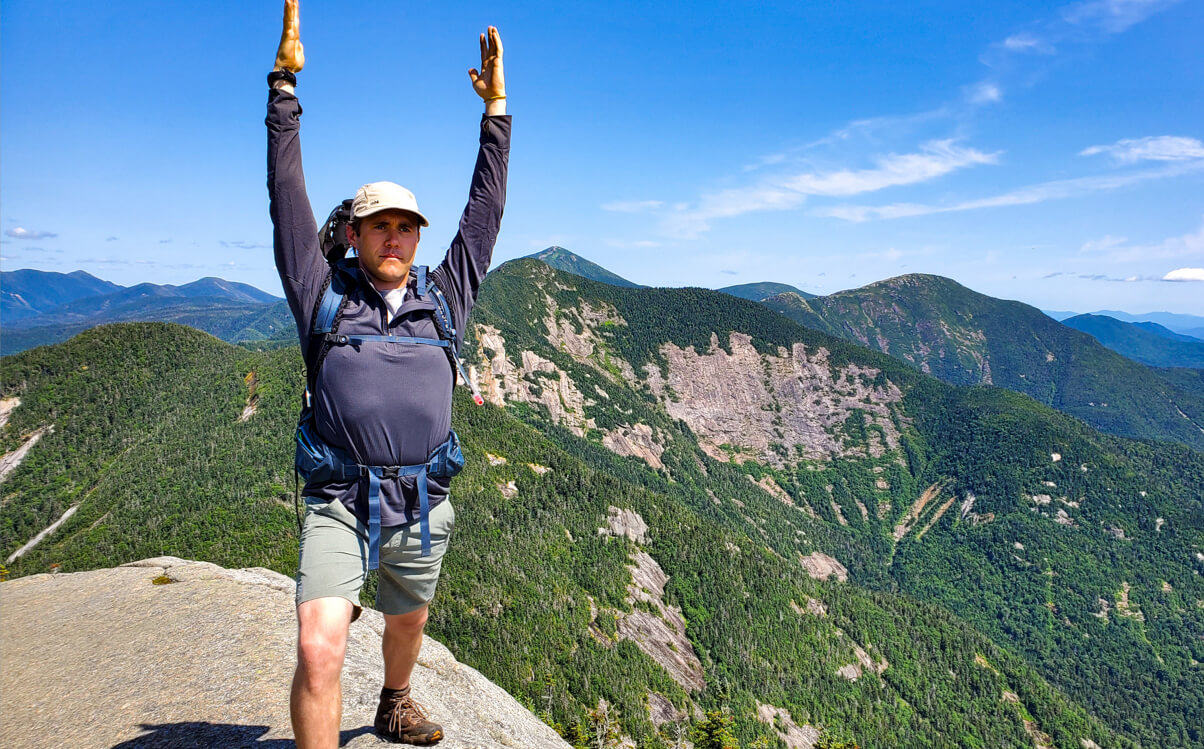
x: 774, y: 409
x: 168, y: 653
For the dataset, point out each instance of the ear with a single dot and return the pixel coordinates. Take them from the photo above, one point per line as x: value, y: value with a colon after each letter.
x: 352, y: 239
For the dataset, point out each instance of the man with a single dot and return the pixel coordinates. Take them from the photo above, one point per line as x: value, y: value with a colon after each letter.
x: 385, y: 403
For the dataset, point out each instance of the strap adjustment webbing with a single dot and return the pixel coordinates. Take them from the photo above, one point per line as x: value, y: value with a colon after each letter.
x: 375, y: 474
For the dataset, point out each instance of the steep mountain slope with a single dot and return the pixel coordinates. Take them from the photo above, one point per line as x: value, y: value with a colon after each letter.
x: 26, y: 293
x: 861, y: 466
x: 561, y: 259
x: 758, y: 292
x: 1148, y: 343
x: 944, y: 329
x: 578, y: 574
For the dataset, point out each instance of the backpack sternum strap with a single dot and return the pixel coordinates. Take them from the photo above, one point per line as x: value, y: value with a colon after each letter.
x: 341, y: 339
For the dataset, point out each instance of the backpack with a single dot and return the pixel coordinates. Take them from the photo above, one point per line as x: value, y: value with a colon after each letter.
x: 317, y: 461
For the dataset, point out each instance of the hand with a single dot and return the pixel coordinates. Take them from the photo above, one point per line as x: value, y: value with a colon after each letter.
x: 490, y: 82
x: 291, y: 55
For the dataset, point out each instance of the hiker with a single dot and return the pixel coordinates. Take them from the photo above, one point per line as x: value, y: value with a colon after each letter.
x: 377, y: 353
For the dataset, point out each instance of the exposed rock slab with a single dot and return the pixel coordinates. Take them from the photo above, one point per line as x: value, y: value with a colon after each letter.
x: 10, y: 461
x: 821, y: 566
x: 792, y: 734
x: 109, y: 659
x: 776, y: 408
x: 638, y: 441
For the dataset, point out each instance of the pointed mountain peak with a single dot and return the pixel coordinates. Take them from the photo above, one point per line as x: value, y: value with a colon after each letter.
x: 561, y: 259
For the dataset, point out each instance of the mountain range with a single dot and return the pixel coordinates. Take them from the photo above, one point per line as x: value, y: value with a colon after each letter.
x: 40, y: 307
x: 678, y: 501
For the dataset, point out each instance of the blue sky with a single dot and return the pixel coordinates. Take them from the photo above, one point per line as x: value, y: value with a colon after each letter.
x: 1045, y: 152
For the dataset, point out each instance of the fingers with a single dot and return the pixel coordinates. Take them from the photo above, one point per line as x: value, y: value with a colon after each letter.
x: 495, y: 40
x: 484, y: 53
x: 474, y: 76
x: 292, y: 18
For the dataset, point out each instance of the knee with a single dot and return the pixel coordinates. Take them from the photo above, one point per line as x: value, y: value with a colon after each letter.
x: 406, y: 624
x: 320, y: 654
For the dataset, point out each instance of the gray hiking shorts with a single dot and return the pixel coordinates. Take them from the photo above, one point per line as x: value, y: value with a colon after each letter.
x: 334, y: 557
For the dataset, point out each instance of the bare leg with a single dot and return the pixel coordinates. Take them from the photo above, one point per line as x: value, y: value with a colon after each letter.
x: 400, y: 645
x: 316, y: 701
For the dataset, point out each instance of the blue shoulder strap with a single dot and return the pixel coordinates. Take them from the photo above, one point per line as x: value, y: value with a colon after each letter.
x: 332, y: 299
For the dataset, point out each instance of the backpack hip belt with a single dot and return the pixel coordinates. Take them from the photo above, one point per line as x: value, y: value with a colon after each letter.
x: 320, y: 462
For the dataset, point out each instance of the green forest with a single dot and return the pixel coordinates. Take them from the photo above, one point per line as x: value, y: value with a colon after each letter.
x: 1006, y: 619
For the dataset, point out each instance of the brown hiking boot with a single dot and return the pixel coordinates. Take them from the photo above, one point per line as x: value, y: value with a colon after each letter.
x: 400, y: 718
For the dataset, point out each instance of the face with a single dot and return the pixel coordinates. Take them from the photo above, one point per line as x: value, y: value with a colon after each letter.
x: 386, y: 243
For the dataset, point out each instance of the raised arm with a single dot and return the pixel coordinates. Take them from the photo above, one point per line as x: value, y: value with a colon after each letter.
x: 299, y: 258
x: 471, y: 251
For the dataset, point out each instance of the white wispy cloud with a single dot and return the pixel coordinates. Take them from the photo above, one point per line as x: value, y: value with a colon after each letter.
x: 1026, y: 42
x: 1015, y: 58
x: 1185, y: 274
x: 985, y: 92
x: 20, y: 232
x: 933, y: 159
x: 1151, y: 148
x: 1105, y: 242
x: 1112, y: 16
x: 242, y: 244
x: 1186, y: 245
x: 1039, y: 193
x: 632, y: 206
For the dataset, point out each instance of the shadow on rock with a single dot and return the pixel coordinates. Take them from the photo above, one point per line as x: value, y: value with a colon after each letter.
x: 219, y: 735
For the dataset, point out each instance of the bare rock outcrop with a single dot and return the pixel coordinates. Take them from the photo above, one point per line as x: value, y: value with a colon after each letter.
x: 620, y: 522
x: 792, y: 735
x: 657, y: 629
x: 536, y: 380
x: 775, y: 408
x: 821, y: 566
x: 639, y: 441
x: 661, y: 635
x: 10, y: 461
x: 167, y: 652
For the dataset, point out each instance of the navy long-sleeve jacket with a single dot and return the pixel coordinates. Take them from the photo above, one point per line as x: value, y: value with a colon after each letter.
x: 385, y: 403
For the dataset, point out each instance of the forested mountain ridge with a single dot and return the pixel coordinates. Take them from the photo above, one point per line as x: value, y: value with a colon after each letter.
x: 898, y: 477
x: 960, y: 336
x: 565, y: 575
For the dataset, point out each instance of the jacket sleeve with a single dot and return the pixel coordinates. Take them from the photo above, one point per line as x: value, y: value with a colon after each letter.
x: 299, y: 259
x: 468, y: 258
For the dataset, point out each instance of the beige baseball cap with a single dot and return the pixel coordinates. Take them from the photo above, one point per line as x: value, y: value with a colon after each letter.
x: 382, y: 196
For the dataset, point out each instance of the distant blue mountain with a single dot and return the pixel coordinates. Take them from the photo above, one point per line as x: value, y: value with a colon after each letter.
x: 1146, y: 342
x: 42, y: 307
x: 1059, y: 314
x: 1177, y: 322
x: 27, y: 293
